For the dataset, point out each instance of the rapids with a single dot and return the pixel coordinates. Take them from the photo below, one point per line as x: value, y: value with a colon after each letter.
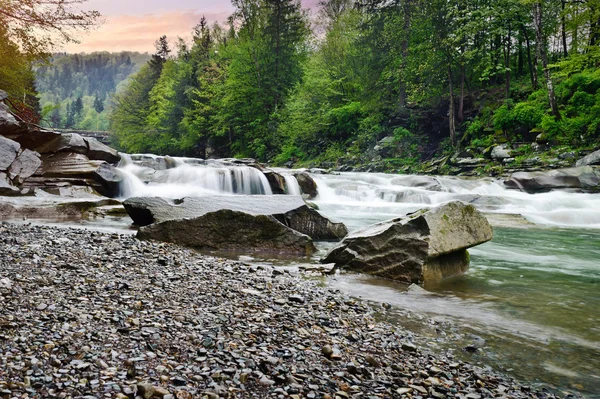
x: 532, y: 293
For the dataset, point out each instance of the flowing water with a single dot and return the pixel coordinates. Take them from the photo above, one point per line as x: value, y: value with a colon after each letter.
x: 532, y: 294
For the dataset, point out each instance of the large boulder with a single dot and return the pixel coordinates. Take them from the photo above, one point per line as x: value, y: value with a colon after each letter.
x: 422, y: 247
x: 584, y: 178
x: 289, y: 210
x: 276, y: 181
x: 230, y: 230
x: 66, y: 142
x: 9, y: 150
x: 101, y: 152
x: 26, y: 164
x: 590, y: 159
x: 307, y: 185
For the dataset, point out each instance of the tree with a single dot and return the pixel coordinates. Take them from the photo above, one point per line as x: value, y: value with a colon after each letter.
x: 37, y: 26
x: 541, y: 43
x: 98, y: 104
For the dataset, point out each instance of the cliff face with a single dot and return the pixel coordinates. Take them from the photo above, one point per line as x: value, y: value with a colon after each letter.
x: 32, y: 158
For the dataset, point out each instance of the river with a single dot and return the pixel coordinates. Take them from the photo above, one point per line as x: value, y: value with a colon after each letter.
x: 530, y: 301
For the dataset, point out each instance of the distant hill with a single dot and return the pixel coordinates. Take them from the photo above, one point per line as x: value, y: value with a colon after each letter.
x: 75, y: 89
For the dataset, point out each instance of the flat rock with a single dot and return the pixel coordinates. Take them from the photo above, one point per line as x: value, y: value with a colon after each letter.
x: 583, y: 178
x: 227, y: 229
x: 287, y: 209
x: 424, y: 246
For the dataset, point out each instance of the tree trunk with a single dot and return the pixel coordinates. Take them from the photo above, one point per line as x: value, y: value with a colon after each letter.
x: 507, y: 49
x: 532, y: 72
x: 451, y: 122
x: 461, y: 100
x: 520, y: 61
x: 404, y: 49
x: 564, y: 29
x: 537, y: 13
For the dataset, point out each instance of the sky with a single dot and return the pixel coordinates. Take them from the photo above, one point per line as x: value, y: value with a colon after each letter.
x: 136, y: 24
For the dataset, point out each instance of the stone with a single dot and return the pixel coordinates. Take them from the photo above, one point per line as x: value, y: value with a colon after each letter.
x: 26, y: 164
x: 66, y: 142
x: 6, y: 187
x: 276, y: 181
x: 307, y: 185
x: 583, y: 178
x: 9, y: 150
x: 230, y: 230
x: 590, y: 159
x: 101, y: 152
x: 77, y: 169
x: 8, y: 123
x: 424, y: 246
x: 289, y: 210
x: 500, y: 152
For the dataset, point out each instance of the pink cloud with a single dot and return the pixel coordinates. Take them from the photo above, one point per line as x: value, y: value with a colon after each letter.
x: 139, y: 32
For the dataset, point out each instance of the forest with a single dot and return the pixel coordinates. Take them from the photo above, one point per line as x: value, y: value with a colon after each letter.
x: 427, y: 76
x: 76, y: 89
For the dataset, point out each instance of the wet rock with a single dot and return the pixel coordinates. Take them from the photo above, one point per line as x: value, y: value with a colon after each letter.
x: 288, y: 210
x: 230, y: 230
x: 276, y: 181
x: 423, y: 246
x: 584, y: 178
x: 307, y: 184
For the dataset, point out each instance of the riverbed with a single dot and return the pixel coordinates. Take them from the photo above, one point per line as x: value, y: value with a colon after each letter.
x: 528, y: 305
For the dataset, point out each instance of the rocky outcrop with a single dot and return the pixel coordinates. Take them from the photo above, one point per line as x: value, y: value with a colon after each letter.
x: 590, y: 159
x: 101, y: 152
x: 288, y: 210
x: 421, y: 247
x: 581, y: 179
x: 276, y: 181
x: 33, y: 158
x: 230, y: 230
x: 307, y: 185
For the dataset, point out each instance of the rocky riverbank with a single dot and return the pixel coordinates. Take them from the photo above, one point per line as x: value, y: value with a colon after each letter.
x: 85, y: 314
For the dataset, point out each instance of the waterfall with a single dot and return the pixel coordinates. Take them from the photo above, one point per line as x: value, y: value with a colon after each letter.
x: 359, y: 198
x: 172, y: 177
x: 291, y: 185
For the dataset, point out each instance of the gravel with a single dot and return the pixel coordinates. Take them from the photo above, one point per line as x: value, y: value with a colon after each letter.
x: 96, y: 315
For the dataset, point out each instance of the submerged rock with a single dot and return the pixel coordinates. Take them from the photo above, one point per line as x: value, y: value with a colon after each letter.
x: 227, y: 229
x: 584, y: 178
x: 421, y: 247
x: 307, y: 185
x: 288, y: 210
